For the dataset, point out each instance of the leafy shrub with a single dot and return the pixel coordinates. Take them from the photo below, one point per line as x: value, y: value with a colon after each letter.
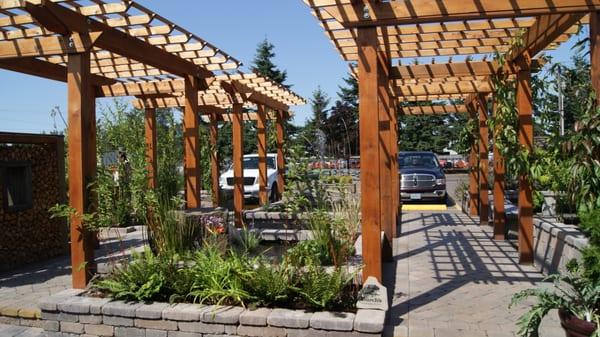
x: 590, y: 224
x: 331, y: 237
x: 323, y: 290
x: 271, y: 284
x: 169, y: 231
x: 145, y: 278
x: 308, y: 252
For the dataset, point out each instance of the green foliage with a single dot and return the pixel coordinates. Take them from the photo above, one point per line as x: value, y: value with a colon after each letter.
x: 271, y: 284
x: 308, y: 252
x: 574, y: 292
x: 467, y: 136
x: 169, y: 232
x: 323, y: 290
x: 263, y: 63
x: 430, y: 133
x: 590, y: 224
x: 341, y: 127
x: 145, y: 278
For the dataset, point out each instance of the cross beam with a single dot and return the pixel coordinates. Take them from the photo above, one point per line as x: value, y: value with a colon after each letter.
x: 64, y: 21
x: 351, y: 13
x: 434, y: 109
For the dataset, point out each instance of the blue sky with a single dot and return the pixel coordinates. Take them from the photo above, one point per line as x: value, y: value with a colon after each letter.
x: 235, y: 26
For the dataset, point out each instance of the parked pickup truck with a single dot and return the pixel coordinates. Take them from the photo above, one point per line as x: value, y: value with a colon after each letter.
x: 251, y: 187
x: 422, y: 177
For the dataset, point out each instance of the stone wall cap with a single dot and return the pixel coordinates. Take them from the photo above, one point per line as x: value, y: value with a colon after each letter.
x: 222, y: 314
x: 336, y: 321
x: 369, y: 321
x: 256, y: 317
x: 121, y: 308
x: 288, y: 318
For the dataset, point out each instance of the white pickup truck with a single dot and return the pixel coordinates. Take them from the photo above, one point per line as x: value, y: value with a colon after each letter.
x: 251, y: 187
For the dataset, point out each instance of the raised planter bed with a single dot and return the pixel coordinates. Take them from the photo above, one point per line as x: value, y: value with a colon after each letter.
x: 556, y: 244
x: 71, y: 313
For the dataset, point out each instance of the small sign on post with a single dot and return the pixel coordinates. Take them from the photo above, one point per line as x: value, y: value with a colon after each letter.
x: 373, y: 295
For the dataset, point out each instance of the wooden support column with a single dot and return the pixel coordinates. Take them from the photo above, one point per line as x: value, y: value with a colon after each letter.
x: 595, y: 51
x: 280, y: 154
x: 384, y: 102
x: 191, y: 144
x: 151, y: 157
x: 81, y: 135
x: 214, y: 159
x: 395, y: 174
x: 238, y: 164
x: 368, y: 73
x: 499, y: 170
x: 525, y: 108
x: 484, y: 146
x: 473, y: 171
x: 261, y: 126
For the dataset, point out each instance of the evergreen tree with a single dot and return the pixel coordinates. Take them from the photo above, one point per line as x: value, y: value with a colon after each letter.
x: 341, y: 127
x: 263, y: 63
x: 319, y: 103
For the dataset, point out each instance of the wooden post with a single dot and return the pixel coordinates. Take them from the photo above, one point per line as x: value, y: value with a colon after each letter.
x: 80, y: 108
x: 368, y: 73
x: 595, y: 51
x: 238, y: 162
x: 280, y: 154
x: 90, y: 178
x: 262, y: 154
x: 151, y: 158
x: 525, y: 107
x: 385, y: 135
x: 499, y: 170
x: 214, y: 159
x: 190, y: 144
x: 395, y: 177
x: 484, y: 146
x: 473, y: 171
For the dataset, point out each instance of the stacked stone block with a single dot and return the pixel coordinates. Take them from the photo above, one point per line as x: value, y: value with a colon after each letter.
x: 70, y: 314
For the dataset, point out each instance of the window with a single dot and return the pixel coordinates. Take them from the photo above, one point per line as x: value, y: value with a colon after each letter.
x: 16, y: 185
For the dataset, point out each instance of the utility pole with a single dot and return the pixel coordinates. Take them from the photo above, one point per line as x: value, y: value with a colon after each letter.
x: 561, y: 100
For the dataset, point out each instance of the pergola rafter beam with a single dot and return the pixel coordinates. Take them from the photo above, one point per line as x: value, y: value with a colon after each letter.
x: 434, y: 110
x: 352, y: 13
x: 115, y: 40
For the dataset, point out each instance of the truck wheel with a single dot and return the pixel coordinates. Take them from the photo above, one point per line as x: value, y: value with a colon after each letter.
x: 274, y: 196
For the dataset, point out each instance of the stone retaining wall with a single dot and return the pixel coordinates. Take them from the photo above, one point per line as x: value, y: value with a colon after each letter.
x: 556, y: 244
x: 67, y: 314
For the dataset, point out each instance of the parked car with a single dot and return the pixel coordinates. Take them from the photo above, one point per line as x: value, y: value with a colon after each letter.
x: 421, y: 177
x: 251, y: 183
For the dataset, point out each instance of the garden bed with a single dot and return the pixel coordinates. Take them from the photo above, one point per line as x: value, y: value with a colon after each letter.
x: 73, y: 312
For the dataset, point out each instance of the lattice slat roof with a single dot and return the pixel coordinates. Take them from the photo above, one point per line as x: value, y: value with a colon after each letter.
x: 413, y: 29
x: 18, y: 26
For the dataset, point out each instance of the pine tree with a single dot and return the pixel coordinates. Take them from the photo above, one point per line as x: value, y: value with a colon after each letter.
x: 263, y: 63
x: 319, y: 103
x: 341, y: 127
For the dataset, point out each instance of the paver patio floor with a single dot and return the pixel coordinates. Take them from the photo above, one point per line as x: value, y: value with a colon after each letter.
x: 449, y: 278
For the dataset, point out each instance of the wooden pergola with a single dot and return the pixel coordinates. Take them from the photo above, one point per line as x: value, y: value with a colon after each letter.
x: 379, y: 36
x: 113, y: 48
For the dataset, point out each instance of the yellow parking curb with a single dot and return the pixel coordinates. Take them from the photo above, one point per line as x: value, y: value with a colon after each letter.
x: 424, y: 207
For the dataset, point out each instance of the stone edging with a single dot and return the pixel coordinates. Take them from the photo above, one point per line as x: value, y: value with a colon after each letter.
x: 69, y: 314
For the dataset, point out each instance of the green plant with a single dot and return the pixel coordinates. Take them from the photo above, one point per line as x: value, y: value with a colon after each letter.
x: 461, y: 188
x: 145, y: 278
x: 169, y: 231
x: 325, y: 290
x: 271, y: 284
x: 249, y: 240
x: 331, y: 236
x: 307, y: 252
x: 573, y: 292
x: 590, y: 224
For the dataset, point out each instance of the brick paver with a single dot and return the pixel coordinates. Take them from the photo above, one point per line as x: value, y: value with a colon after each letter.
x: 449, y: 278
x: 20, y: 331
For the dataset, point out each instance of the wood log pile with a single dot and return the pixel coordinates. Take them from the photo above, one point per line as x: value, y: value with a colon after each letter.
x: 30, y: 235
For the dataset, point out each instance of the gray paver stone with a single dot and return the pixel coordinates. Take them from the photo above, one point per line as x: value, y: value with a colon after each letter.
x: 201, y: 327
x: 83, y: 305
x: 305, y: 333
x: 156, y: 324
x: 129, y: 332
x: 90, y: 319
x: 51, y: 325
x: 256, y: 317
x: 184, y: 312
x: 151, y: 311
x: 255, y: 331
x: 155, y: 333
x: 99, y: 329
x: 289, y: 318
x: 71, y: 327
x: 370, y: 321
x: 52, y: 316
x: 50, y: 303
x: 120, y: 308
x: 183, y: 334
x: 339, y: 321
x: 223, y: 315
x: 64, y: 317
x: 118, y: 321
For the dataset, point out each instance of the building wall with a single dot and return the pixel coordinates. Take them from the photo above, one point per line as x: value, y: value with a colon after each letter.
x: 29, y: 235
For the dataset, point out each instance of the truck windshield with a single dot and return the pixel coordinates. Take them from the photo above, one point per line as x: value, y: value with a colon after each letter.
x: 422, y: 160
x: 251, y: 163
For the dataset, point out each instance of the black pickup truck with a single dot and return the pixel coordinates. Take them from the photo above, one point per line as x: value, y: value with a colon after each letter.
x: 421, y: 176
